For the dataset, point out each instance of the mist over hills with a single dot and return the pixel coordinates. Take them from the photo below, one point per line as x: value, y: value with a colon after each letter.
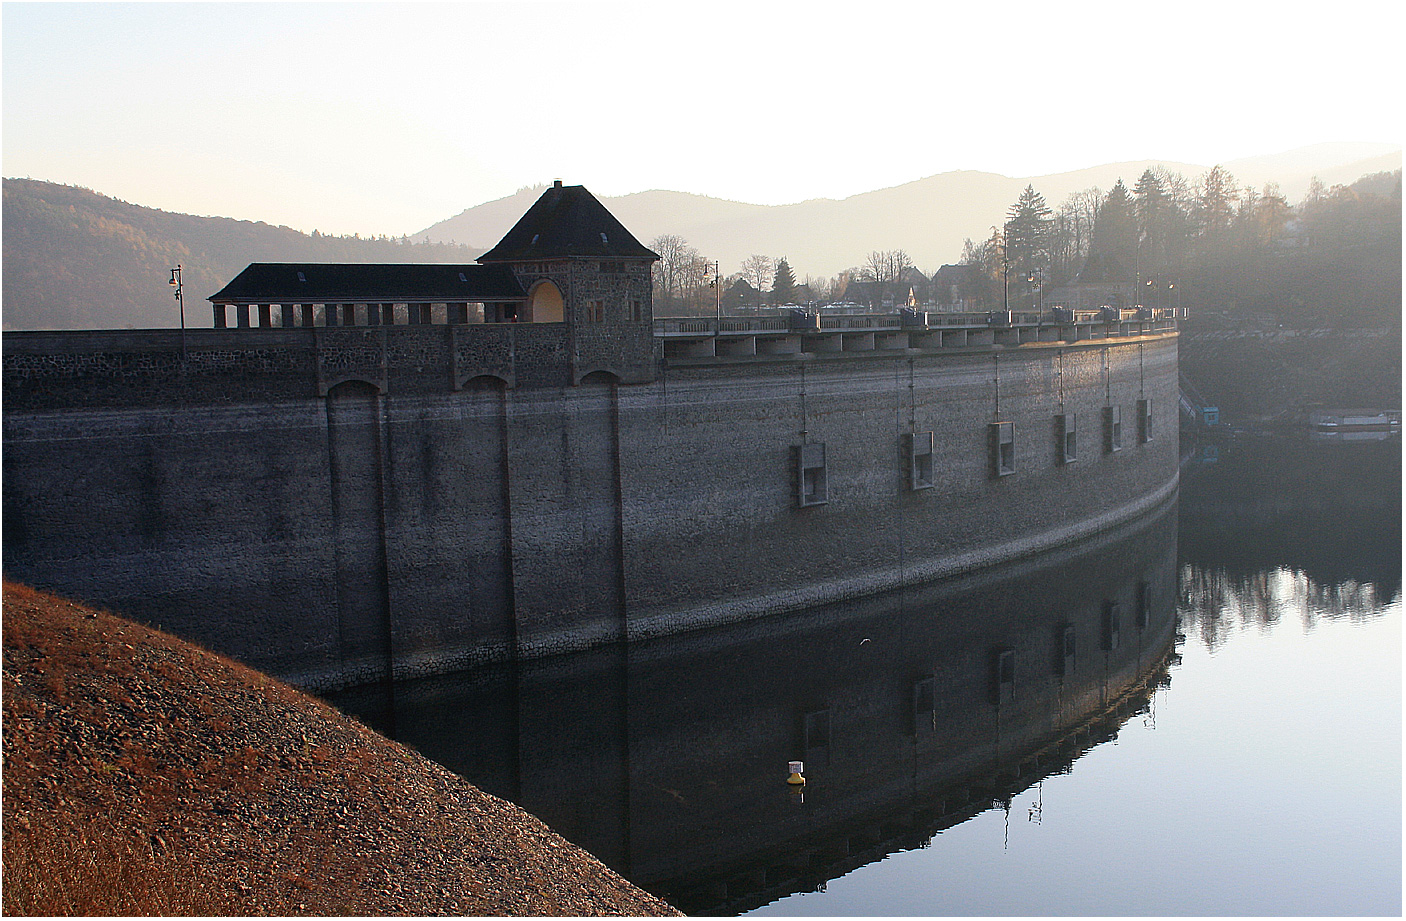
x: 77, y: 259
x: 929, y: 218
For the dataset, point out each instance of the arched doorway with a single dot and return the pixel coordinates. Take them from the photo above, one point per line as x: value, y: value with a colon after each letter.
x: 545, y: 304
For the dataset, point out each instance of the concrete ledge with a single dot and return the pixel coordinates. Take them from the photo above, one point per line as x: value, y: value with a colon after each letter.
x: 663, y: 623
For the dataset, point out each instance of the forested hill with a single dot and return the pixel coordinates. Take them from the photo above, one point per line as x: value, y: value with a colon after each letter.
x: 74, y: 259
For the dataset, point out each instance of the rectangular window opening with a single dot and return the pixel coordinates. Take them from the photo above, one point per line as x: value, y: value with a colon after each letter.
x: 918, y: 450
x: 812, y: 479
x: 1004, y: 675
x: 1003, y: 448
x: 925, y: 705
x: 1068, y: 438
x: 817, y: 730
x: 1113, y: 427
x: 595, y: 311
x: 1144, y: 418
x: 1068, y: 649
x: 1112, y: 615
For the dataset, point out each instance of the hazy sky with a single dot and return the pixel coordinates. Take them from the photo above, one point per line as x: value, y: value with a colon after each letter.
x: 385, y: 118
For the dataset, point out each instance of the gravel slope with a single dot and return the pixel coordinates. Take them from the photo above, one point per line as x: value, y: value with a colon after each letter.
x: 143, y: 775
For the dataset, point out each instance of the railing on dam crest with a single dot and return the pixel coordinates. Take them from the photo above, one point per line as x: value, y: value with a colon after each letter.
x: 810, y: 332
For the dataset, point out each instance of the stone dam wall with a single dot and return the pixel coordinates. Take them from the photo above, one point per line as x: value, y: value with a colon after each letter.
x: 333, y: 506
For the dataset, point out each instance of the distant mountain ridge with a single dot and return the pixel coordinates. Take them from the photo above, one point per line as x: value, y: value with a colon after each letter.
x: 929, y: 218
x: 75, y: 259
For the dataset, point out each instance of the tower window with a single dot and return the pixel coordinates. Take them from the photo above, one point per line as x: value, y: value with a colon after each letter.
x: 595, y: 311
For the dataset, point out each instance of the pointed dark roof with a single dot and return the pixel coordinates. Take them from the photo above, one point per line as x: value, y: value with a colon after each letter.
x: 567, y: 221
x: 957, y: 274
x: 320, y: 283
x: 1103, y: 268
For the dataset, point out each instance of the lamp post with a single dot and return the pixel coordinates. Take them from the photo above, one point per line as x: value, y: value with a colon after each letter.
x: 718, y: 291
x: 180, y: 301
x: 1005, y: 266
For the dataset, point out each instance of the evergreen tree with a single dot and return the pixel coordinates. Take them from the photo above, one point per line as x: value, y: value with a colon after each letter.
x: 1115, y: 239
x: 1272, y: 215
x: 1029, y: 233
x: 1215, y: 205
x: 1153, y: 210
x: 1029, y: 229
x: 783, y: 283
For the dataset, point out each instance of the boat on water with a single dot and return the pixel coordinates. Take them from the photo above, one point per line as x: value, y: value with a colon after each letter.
x: 1342, y: 421
x: 1354, y: 425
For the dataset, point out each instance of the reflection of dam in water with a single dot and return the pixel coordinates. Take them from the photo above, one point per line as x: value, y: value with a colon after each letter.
x: 912, y: 712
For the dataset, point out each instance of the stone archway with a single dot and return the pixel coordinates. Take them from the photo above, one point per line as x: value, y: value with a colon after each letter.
x: 545, y: 304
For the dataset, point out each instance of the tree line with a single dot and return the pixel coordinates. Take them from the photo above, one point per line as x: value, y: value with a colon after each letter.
x: 1208, y: 243
x: 688, y: 283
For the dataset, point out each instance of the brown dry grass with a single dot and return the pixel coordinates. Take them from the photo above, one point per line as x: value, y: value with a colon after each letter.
x: 144, y: 776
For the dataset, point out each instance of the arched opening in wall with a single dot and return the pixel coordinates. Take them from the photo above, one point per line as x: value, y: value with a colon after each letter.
x: 485, y: 383
x: 595, y: 491
x: 600, y: 377
x: 545, y: 304
x: 481, y: 533
x: 354, y: 447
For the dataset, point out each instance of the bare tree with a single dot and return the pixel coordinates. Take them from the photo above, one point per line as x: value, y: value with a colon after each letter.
x: 697, y: 285
x: 674, y: 255
x: 758, y: 271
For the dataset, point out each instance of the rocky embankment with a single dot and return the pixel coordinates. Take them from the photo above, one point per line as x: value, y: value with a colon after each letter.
x: 143, y: 775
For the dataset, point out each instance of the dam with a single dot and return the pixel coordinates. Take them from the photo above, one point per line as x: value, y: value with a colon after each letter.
x: 397, y: 471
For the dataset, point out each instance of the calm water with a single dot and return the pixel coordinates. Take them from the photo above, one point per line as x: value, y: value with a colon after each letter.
x: 1197, y: 715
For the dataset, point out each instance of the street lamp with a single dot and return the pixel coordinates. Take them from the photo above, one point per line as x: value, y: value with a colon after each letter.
x: 1037, y: 285
x: 1005, y: 266
x: 180, y: 300
x: 718, y: 290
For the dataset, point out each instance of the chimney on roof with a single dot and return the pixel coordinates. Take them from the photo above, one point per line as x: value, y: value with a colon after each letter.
x: 556, y: 183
